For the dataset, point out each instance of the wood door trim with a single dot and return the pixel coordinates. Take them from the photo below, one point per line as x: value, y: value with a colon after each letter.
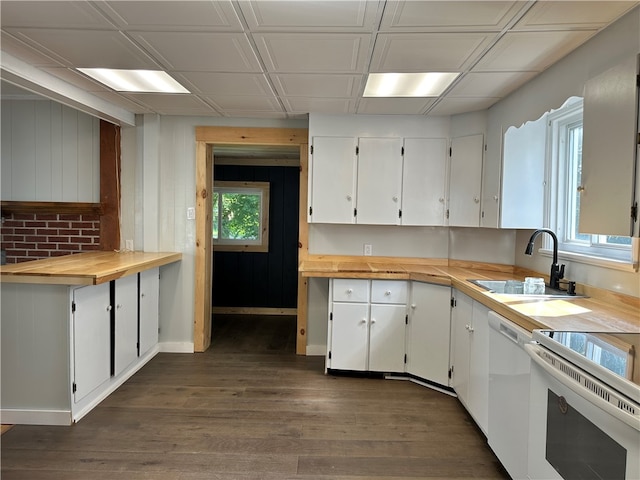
x: 206, y: 138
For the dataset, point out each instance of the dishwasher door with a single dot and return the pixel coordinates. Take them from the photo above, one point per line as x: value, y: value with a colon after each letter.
x: 509, y: 376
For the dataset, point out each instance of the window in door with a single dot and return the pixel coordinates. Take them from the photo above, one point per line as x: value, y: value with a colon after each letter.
x: 241, y: 216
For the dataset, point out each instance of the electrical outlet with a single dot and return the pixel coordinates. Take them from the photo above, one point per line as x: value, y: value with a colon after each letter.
x: 128, y: 245
x: 367, y: 250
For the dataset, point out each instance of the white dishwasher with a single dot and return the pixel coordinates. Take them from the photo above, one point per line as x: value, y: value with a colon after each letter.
x: 509, y: 375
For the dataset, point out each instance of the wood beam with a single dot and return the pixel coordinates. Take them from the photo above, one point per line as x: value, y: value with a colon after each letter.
x: 109, y: 186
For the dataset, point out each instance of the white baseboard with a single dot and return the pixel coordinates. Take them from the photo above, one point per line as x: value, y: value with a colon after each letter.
x: 35, y: 417
x: 176, y: 347
x: 316, y: 350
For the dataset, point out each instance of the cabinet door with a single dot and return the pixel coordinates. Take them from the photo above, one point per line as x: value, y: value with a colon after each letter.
x: 149, y: 309
x: 465, y: 181
x: 379, y: 181
x: 332, y: 180
x: 349, y: 336
x: 386, y: 338
x: 478, y: 400
x: 609, y: 149
x: 423, y: 181
x: 429, y: 328
x: 126, y: 323
x: 91, y: 338
x: 461, y: 323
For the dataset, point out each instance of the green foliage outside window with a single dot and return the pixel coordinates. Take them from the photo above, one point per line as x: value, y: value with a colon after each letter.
x: 236, y: 216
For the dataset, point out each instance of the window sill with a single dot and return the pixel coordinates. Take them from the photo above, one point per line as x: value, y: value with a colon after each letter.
x: 589, y: 260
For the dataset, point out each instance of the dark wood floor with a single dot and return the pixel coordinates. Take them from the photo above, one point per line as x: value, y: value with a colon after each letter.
x: 249, y: 408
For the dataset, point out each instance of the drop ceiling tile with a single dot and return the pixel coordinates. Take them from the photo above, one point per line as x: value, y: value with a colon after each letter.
x: 530, y: 51
x: 313, y: 52
x: 489, y: 84
x: 334, y: 86
x: 394, y: 106
x: 299, y: 105
x: 459, y: 16
x: 172, y: 104
x: 427, y: 52
x: 218, y: 15
x: 244, y: 103
x: 254, y: 114
x: 455, y: 106
x: 201, y: 51
x: 79, y: 47
x: 225, y: 83
x: 572, y: 15
x: 309, y: 16
x: 25, y: 53
x: 69, y: 14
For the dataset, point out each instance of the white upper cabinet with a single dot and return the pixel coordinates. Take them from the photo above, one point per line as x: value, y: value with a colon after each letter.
x: 332, y: 180
x: 609, y: 151
x: 379, y: 181
x: 423, y: 181
x: 465, y: 180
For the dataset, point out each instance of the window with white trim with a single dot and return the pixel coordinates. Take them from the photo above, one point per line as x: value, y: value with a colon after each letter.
x: 564, y: 166
x: 241, y: 216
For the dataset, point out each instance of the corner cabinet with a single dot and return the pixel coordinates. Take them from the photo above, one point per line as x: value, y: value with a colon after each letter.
x: 66, y: 348
x: 366, y: 328
x: 428, y: 332
x: 470, y: 356
x: 465, y: 180
x: 611, y: 138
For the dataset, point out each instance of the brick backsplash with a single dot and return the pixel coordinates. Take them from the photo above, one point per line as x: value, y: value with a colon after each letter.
x: 32, y: 236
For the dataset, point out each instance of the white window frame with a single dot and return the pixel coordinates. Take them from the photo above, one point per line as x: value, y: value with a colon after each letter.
x: 559, y: 203
x: 244, y: 245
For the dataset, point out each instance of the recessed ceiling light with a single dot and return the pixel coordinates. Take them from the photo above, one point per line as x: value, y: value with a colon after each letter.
x: 429, y: 84
x: 147, y: 81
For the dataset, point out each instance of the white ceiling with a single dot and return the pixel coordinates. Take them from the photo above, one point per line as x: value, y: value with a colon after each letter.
x: 284, y: 59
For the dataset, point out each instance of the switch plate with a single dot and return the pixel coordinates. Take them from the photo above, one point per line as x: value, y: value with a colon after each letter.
x: 191, y: 213
x: 128, y: 245
x: 367, y: 250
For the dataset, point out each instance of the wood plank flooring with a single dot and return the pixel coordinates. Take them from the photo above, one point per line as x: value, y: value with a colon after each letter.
x: 249, y: 408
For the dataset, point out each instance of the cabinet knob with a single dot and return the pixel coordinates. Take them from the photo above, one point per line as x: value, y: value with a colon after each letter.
x: 395, y: 199
x: 109, y: 308
x: 441, y: 199
x: 142, y: 295
x: 349, y: 291
x: 495, y: 197
x: 348, y: 198
x: 364, y: 320
x: 413, y: 305
x: 580, y: 189
x: 476, y: 199
x: 118, y: 306
x: 373, y: 320
x: 387, y: 293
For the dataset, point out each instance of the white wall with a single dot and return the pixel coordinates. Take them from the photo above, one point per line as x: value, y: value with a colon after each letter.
x: 50, y: 153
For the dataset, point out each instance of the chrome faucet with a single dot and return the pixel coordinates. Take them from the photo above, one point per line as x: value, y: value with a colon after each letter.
x: 557, y: 272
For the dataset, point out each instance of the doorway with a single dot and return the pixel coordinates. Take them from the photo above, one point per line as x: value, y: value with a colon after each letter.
x: 210, y: 140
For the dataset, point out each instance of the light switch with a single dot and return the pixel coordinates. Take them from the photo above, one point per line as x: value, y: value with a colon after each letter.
x: 191, y: 213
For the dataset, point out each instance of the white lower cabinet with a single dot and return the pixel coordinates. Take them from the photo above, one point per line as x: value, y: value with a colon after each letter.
x: 86, y: 345
x: 470, y: 356
x: 366, y: 329
x: 428, y: 332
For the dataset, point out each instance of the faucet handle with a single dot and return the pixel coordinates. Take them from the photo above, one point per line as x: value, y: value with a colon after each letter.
x: 561, y: 272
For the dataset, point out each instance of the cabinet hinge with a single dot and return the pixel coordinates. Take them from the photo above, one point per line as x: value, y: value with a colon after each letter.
x: 450, y: 151
x: 399, y: 213
x: 402, y: 151
x: 482, y: 214
x: 406, y: 319
x: 310, y: 210
x: 405, y: 358
x: 485, y: 147
x: 634, y: 211
x: 451, y: 372
x: 355, y: 212
x: 73, y: 307
x: 638, y: 80
x: 74, y: 387
x: 447, y: 213
x: 331, y: 316
x: 311, y: 149
x: 329, y: 354
x: 357, y: 150
x: 453, y: 302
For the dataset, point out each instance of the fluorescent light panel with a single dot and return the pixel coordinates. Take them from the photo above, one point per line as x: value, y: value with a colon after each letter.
x: 141, y: 81
x: 430, y: 84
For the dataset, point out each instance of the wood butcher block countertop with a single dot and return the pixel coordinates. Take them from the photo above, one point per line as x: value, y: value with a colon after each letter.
x: 89, y: 268
x: 601, y: 311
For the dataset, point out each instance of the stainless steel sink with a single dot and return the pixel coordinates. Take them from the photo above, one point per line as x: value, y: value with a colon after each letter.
x: 500, y: 286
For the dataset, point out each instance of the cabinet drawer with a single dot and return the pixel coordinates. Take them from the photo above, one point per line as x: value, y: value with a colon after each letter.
x: 350, y: 290
x: 388, y: 291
